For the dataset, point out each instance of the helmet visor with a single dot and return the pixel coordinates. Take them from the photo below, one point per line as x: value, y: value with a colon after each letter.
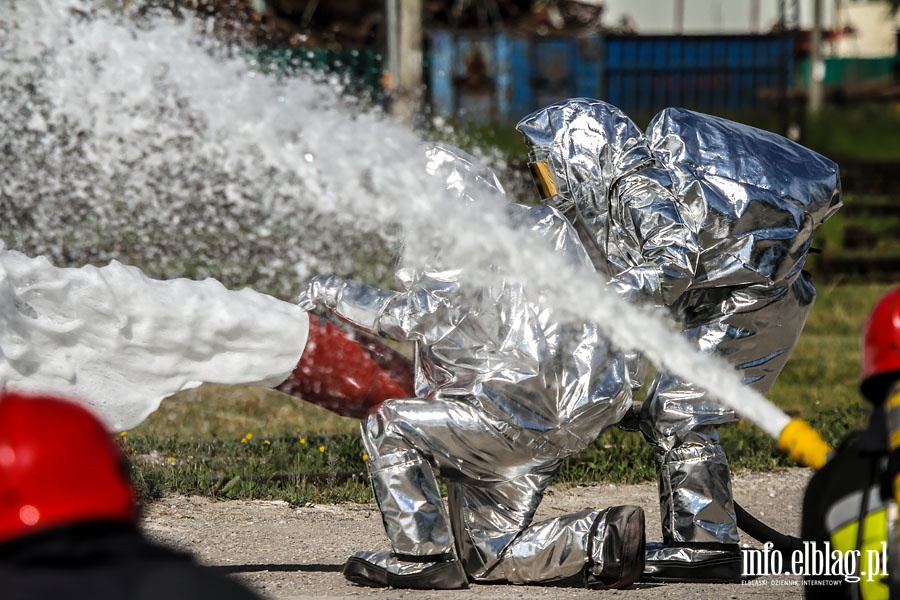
x: 543, y: 180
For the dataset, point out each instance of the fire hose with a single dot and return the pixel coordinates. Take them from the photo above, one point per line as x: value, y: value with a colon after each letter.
x: 799, y: 440
x: 35, y: 297
x: 379, y: 373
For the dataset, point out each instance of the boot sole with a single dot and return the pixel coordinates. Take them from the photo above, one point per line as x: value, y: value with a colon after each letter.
x: 441, y: 576
x: 715, y: 570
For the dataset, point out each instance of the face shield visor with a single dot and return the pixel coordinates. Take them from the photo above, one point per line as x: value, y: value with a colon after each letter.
x: 551, y: 193
x: 543, y: 180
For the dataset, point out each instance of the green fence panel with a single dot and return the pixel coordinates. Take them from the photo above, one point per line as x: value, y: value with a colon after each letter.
x: 361, y: 69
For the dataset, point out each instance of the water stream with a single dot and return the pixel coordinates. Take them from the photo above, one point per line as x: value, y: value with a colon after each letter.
x: 146, y: 142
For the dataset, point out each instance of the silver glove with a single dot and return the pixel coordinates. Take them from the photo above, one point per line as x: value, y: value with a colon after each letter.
x: 321, y: 293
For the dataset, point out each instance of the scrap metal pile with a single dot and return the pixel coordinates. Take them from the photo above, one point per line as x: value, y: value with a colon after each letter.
x: 361, y: 23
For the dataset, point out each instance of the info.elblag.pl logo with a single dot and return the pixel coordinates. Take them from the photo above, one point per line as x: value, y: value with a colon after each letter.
x: 816, y: 560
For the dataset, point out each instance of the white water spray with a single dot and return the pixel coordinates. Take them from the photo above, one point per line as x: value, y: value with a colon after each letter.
x: 184, y: 162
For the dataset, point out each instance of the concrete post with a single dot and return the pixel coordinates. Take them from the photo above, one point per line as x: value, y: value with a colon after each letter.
x: 404, y: 26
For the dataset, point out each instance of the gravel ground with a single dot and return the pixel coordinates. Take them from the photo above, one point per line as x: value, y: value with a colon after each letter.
x: 289, y: 552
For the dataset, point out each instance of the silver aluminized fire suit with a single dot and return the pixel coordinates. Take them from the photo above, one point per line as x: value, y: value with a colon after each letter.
x: 504, y: 393
x: 714, y: 220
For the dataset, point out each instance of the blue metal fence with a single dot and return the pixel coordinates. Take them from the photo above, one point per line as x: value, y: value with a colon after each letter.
x: 504, y: 76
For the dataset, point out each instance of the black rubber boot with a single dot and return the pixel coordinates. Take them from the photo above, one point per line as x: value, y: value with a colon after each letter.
x: 616, y: 549
x: 385, y: 569
x: 698, y: 564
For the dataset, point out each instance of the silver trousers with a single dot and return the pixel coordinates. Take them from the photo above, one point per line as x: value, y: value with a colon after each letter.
x: 496, y: 476
x: 757, y: 334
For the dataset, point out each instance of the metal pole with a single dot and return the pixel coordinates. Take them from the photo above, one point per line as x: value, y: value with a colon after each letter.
x: 816, y: 63
x: 392, y: 26
x: 409, y: 73
x: 679, y: 17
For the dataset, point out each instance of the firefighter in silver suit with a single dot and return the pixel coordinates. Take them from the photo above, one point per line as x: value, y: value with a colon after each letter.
x: 505, y: 391
x: 714, y: 220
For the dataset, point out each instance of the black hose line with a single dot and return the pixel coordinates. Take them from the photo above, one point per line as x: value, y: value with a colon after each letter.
x: 763, y: 533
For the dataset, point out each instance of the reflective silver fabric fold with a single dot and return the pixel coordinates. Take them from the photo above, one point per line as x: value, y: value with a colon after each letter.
x: 713, y: 219
x: 461, y: 172
x: 410, y: 508
x: 753, y: 197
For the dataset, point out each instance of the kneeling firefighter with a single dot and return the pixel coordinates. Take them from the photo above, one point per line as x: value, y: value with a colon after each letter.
x: 850, y: 504
x: 505, y: 390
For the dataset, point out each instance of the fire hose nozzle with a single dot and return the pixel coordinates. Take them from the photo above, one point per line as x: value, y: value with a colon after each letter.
x: 804, y: 444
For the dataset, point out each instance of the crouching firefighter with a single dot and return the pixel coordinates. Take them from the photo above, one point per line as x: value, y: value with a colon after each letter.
x: 850, y: 504
x: 505, y: 390
x: 712, y: 220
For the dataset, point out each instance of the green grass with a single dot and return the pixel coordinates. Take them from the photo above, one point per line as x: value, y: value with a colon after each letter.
x: 866, y: 131
x: 246, y: 442
x: 198, y: 443
x: 820, y: 382
x: 867, y: 227
x: 296, y: 469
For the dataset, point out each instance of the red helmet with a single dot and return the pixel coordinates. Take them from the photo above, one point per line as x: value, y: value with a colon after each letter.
x: 881, y: 347
x: 58, y: 466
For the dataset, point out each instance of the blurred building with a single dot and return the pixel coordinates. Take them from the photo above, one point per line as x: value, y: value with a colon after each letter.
x: 869, y: 29
x: 498, y: 59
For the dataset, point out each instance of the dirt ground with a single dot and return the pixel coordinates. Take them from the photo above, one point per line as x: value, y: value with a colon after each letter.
x: 289, y: 552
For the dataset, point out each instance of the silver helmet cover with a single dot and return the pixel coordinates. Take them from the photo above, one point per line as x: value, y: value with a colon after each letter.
x: 462, y: 173
x: 752, y: 196
x: 623, y: 205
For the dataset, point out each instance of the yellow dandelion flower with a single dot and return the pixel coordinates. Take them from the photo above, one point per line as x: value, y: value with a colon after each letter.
x: 302, y: 440
x: 171, y: 459
x: 124, y: 433
x: 365, y: 457
x: 267, y: 442
x: 321, y: 448
x: 249, y: 436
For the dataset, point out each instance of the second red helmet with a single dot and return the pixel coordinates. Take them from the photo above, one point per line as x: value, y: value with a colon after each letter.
x: 881, y: 346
